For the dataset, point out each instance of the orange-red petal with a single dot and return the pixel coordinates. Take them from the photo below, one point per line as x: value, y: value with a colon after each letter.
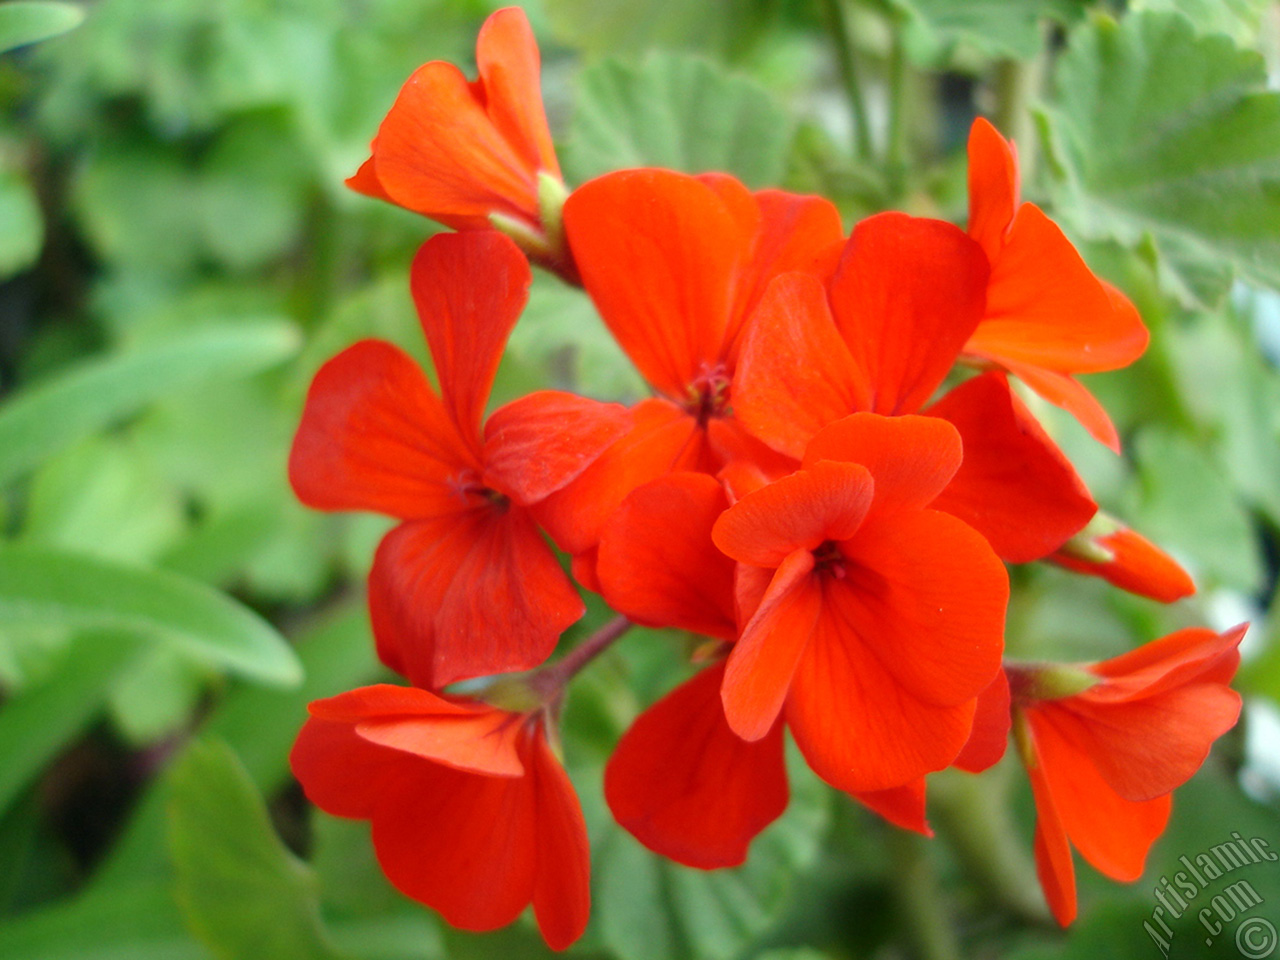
x: 468, y: 597
x: 661, y: 254
x: 687, y: 787
x: 911, y: 458
x: 856, y: 725
x: 375, y: 437
x: 827, y: 501
x: 993, y: 186
x: 1192, y: 654
x: 1149, y: 746
x: 536, y: 445
x: 795, y: 374
x: 1015, y: 486
x: 510, y: 68
x: 925, y: 595
x: 1054, y: 865
x: 991, y: 723
x: 561, y: 886
x: 907, y: 295
x: 657, y: 564
x: 1065, y: 391
x: 457, y: 151
x: 462, y: 843
x: 1137, y: 565
x: 1112, y: 833
x: 469, y: 289
x: 1045, y: 307
x: 771, y: 647
x: 902, y: 806
x: 664, y: 438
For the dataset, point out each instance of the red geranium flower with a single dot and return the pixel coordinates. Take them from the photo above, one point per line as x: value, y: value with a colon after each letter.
x: 881, y: 336
x: 1105, y: 744
x: 875, y: 620
x: 472, y: 813
x: 466, y: 586
x: 473, y: 154
x: 675, y: 264
x: 1047, y: 316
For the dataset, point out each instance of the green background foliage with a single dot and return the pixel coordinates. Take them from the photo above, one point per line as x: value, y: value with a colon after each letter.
x: 178, y: 256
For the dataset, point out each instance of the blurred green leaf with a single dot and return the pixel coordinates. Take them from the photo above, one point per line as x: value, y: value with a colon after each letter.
x: 1189, y: 508
x: 21, y: 224
x: 244, y: 894
x: 136, y: 921
x: 135, y: 202
x: 40, y: 721
x: 27, y: 21
x: 251, y: 193
x: 156, y: 695
x: 561, y: 333
x: 1238, y: 19
x: 1010, y: 28
x: 1159, y: 132
x: 48, y: 587
x: 40, y: 420
x: 260, y: 724
x: 1234, y: 393
x: 616, y: 26
x: 100, y: 497
x: 678, y: 112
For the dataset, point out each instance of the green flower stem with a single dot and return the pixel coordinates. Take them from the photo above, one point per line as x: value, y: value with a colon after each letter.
x: 971, y: 813
x: 895, y: 161
x: 847, y: 57
x: 920, y: 903
x: 1017, y: 85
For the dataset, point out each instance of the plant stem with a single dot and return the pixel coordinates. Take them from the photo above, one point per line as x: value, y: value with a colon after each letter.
x: 1017, y: 84
x: 896, y: 149
x: 847, y: 57
x: 553, y: 678
x: 971, y: 812
x: 915, y: 886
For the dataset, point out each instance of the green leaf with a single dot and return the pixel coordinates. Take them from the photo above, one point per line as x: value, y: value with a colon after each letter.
x: 21, y: 224
x: 678, y: 112
x: 1239, y: 19
x: 100, y: 497
x: 244, y: 894
x: 40, y: 586
x: 121, y: 922
x: 1234, y: 394
x: 251, y: 194
x: 44, y: 418
x: 561, y: 332
x: 40, y: 721
x: 1161, y: 133
x: 260, y: 724
x: 613, y: 26
x: 27, y: 21
x: 1187, y: 507
x: 1010, y: 28
x: 156, y: 696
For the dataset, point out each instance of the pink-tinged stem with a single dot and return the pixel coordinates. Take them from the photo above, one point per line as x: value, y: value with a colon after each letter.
x: 551, y: 679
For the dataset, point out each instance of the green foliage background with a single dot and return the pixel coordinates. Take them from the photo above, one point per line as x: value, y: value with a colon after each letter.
x: 178, y: 257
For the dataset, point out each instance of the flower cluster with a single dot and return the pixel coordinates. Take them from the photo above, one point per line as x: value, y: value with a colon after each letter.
x: 828, y: 482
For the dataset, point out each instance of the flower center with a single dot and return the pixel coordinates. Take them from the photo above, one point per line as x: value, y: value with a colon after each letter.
x: 828, y: 560
x: 467, y: 486
x: 708, y: 393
